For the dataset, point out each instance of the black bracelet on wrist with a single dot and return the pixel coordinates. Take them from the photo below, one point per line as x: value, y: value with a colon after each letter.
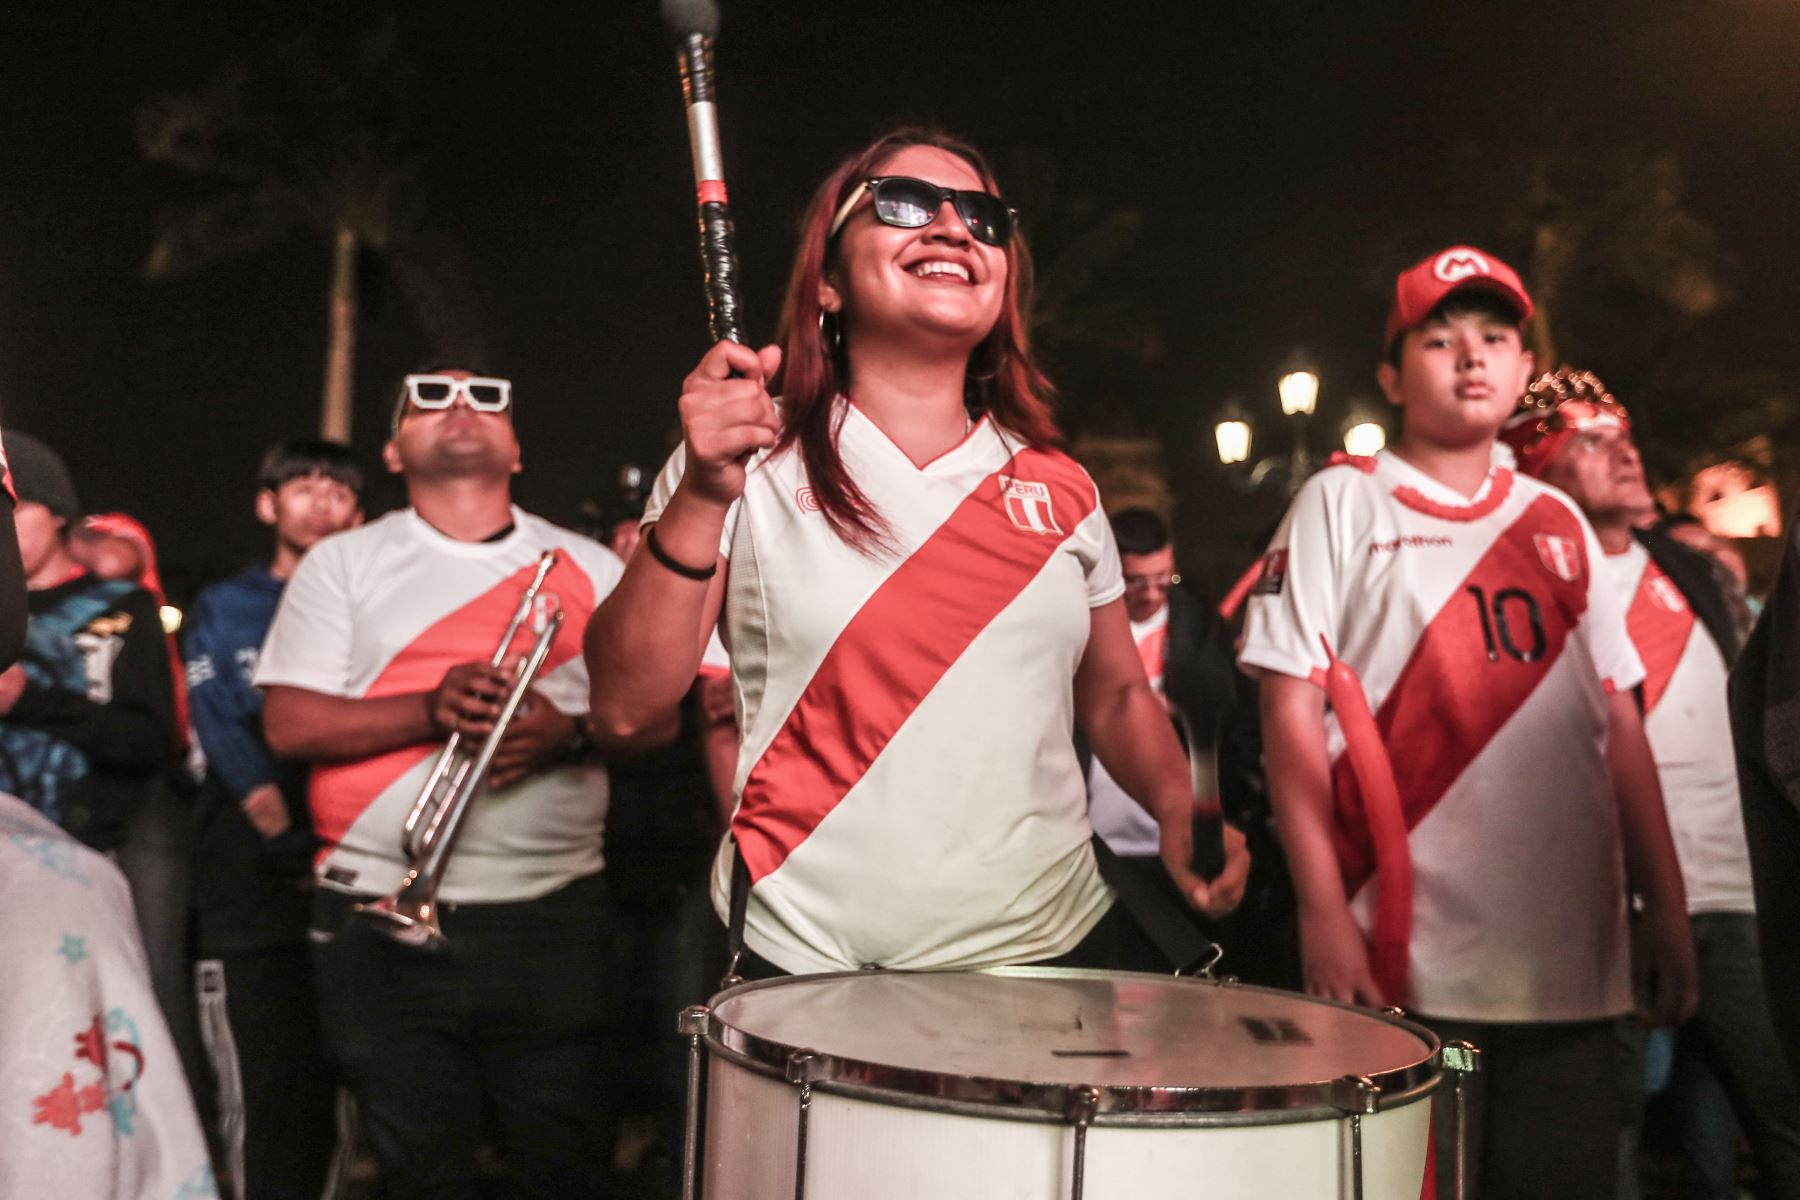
x: 697, y: 574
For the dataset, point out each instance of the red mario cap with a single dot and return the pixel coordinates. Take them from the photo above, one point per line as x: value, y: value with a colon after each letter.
x: 1423, y: 286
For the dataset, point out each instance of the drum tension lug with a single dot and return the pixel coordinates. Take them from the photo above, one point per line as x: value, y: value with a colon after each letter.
x: 694, y: 1022
x: 1460, y: 1057
x: 1357, y: 1095
x: 1460, y: 1060
x: 802, y: 1067
x: 1083, y: 1104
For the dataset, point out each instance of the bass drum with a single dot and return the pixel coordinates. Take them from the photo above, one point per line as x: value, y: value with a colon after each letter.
x: 1035, y: 1083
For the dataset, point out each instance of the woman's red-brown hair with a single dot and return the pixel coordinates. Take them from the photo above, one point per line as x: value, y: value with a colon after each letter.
x: 1003, y: 380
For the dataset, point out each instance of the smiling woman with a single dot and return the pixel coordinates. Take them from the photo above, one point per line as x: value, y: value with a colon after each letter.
x: 921, y: 597
x: 962, y: 302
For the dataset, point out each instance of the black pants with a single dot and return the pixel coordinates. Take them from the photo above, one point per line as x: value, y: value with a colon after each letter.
x: 1543, y: 1111
x: 514, y: 1017
x: 672, y: 954
x: 276, y: 1095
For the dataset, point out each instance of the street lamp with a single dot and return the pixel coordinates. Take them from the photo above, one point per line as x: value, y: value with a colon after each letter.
x: 1298, y: 390
x: 1232, y: 433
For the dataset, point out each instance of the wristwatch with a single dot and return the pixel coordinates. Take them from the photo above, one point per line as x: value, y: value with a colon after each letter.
x: 580, y: 746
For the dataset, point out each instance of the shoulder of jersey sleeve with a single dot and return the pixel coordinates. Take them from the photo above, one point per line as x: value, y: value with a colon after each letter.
x: 1058, y: 458
x: 1093, y: 487
x: 675, y: 466
x: 337, y: 547
x: 1531, y: 485
x: 1568, y: 503
x: 1335, y: 487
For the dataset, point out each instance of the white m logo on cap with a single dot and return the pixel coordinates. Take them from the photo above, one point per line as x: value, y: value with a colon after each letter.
x: 1459, y: 264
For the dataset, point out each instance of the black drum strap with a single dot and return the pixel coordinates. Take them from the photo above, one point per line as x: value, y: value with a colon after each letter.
x: 739, y: 900
x: 1162, y: 919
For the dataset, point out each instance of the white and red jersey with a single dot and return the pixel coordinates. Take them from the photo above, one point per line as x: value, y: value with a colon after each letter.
x: 1689, y: 727
x: 1122, y: 823
x: 908, y: 791
x: 1487, y: 646
x: 385, y: 610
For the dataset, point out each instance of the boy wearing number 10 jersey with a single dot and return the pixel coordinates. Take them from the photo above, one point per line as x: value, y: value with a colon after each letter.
x: 1464, y: 598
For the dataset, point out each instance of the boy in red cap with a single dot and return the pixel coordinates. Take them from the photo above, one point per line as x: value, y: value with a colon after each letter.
x: 1461, y: 602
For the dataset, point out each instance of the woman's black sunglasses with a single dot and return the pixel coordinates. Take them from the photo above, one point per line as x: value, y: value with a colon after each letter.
x: 909, y: 203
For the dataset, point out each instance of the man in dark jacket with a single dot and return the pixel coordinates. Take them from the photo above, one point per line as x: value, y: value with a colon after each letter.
x: 1186, y: 653
x: 1765, y: 721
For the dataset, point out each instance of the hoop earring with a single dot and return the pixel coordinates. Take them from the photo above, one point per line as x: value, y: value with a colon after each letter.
x: 832, y: 337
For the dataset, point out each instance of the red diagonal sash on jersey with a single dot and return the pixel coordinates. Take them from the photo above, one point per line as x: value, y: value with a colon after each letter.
x: 339, y: 792
x: 1659, y: 623
x: 1478, y: 660
x: 900, y: 643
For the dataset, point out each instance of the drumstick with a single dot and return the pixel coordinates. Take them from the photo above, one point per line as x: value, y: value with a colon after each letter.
x: 695, y: 23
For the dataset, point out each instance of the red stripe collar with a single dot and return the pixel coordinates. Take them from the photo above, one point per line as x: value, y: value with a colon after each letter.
x: 1499, y: 488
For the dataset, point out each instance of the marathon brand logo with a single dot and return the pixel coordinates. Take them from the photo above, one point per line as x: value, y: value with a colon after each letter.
x: 1412, y: 541
x: 1028, y: 506
x: 1274, y: 574
x: 1561, y: 556
x: 1454, y: 266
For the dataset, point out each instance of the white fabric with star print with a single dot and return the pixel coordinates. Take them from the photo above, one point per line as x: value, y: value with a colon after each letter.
x: 93, y: 1102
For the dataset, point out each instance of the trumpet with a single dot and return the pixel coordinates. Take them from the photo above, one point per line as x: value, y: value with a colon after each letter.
x: 409, y: 914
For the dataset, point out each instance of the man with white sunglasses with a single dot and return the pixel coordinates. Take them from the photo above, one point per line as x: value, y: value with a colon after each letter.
x: 380, y: 650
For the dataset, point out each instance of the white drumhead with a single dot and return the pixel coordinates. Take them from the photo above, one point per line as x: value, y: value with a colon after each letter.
x: 1073, y: 1028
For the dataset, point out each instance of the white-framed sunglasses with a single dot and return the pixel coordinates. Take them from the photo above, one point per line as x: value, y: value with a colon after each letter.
x: 433, y: 392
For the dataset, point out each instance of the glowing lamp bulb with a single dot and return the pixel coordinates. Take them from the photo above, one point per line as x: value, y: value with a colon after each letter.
x: 1365, y: 438
x: 1299, y: 392
x: 1233, y: 437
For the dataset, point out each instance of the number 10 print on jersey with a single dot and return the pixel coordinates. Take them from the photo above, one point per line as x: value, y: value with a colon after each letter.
x: 1477, y: 662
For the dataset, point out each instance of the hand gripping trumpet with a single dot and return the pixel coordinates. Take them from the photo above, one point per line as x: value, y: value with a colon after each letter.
x: 409, y: 914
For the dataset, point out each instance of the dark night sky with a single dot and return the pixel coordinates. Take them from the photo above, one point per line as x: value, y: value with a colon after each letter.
x: 1270, y: 147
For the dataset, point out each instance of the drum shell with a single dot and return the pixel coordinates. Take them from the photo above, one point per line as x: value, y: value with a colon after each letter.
x: 870, y: 1142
